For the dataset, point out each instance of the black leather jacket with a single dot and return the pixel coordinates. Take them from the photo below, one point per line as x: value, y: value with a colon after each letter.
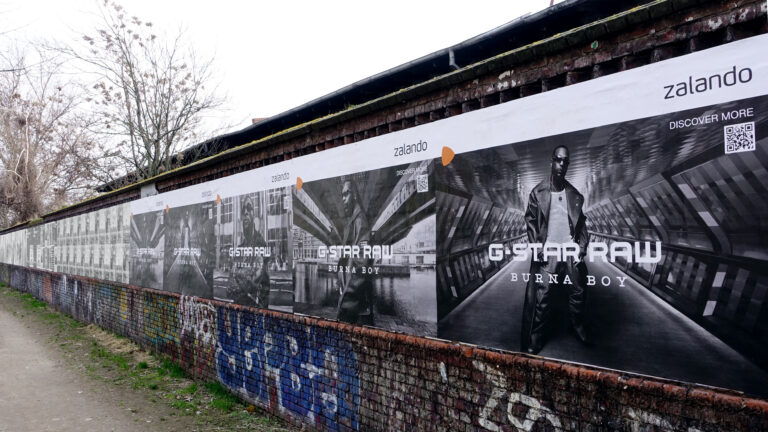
x: 538, y: 211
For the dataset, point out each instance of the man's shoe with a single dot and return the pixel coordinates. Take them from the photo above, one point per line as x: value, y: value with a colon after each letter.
x: 535, y: 345
x: 582, y: 335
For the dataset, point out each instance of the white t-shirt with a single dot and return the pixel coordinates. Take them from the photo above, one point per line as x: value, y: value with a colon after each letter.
x: 558, y: 229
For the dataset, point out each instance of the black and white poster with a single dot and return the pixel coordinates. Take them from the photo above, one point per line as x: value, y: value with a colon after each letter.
x: 109, y: 243
x: 93, y: 244
x: 254, y: 260
x: 190, y: 249
x: 637, y: 246
x: 117, y: 241
x: 41, y: 243
x: 63, y: 251
x: 364, y: 248
x: 74, y: 240
x: 147, y: 249
x: 71, y: 239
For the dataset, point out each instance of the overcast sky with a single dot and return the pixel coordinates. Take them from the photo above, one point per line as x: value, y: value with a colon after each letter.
x: 272, y: 56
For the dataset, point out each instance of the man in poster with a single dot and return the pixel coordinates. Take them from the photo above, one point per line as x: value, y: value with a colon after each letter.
x: 554, y: 216
x: 249, y: 282
x: 356, y: 301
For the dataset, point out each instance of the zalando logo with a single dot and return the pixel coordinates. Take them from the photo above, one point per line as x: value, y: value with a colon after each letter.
x: 704, y: 84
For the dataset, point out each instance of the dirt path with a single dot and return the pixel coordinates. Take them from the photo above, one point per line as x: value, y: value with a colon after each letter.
x: 57, y: 374
x: 39, y: 393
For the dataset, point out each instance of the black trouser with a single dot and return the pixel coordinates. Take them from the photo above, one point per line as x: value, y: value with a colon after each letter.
x: 577, y: 295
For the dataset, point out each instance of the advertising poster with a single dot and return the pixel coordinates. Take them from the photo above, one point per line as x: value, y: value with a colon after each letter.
x: 93, y: 244
x: 59, y: 250
x: 575, y: 246
x: 41, y: 242
x: 35, y: 246
x: 254, y: 260
x: 81, y: 240
x: 88, y: 244
x: 116, y: 241
x: 364, y: 248
x: 190, y: 249
x: 147, y: 249
x: 66, y: 240
x: 13, y: 247
x: 98, y: 240
x: 108, y: 243
x: 48, y: 256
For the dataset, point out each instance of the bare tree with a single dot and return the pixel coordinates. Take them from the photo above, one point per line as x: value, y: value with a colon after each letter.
x: 151, y: 94
x: 46, y: 153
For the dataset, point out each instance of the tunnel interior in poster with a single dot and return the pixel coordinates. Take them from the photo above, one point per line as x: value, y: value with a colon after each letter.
x: 190, y: 249
x: 147, y: 250
x: 632, y: 239
x: 673, y: 228
x: 364, y: 248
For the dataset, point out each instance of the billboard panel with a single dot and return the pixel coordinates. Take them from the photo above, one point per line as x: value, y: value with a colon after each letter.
x: 147, y: 249
x: 253, y: 243
x: 41, y: 242
x: 190, y: 249
x: 575, y: 246
x: 364, y: 248
x: 93, y: 244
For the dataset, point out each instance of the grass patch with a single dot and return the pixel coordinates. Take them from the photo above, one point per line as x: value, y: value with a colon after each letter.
x: 172, y: 369
x: 110, y: 358
x: 73, y: 323
x: 190, y: 389
x: 184, y: 405
x: 224, y: 404
x: 216, y: 388
x: 145, y: 380
x: 52, y: 316
x: 31, y: 303
x: 222, y: 398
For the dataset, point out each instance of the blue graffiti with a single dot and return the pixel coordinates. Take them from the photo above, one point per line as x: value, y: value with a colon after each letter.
x: 306, y: 371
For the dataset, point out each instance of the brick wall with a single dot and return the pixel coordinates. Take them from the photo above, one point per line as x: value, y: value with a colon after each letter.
x: 332, y: 376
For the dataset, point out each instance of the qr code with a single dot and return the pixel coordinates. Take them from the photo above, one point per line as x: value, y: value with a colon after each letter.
x: 740, y: 137
x: 422, y: 183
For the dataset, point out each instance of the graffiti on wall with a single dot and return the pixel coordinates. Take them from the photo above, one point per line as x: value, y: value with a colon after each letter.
x: 505, y: 407
x: 198, y: 334
x: 306, y: 372
x: 161, y: 322
x: 104, y: 303
x: 83, y: 301
x: 125, y: 311
x: 521, y: 411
